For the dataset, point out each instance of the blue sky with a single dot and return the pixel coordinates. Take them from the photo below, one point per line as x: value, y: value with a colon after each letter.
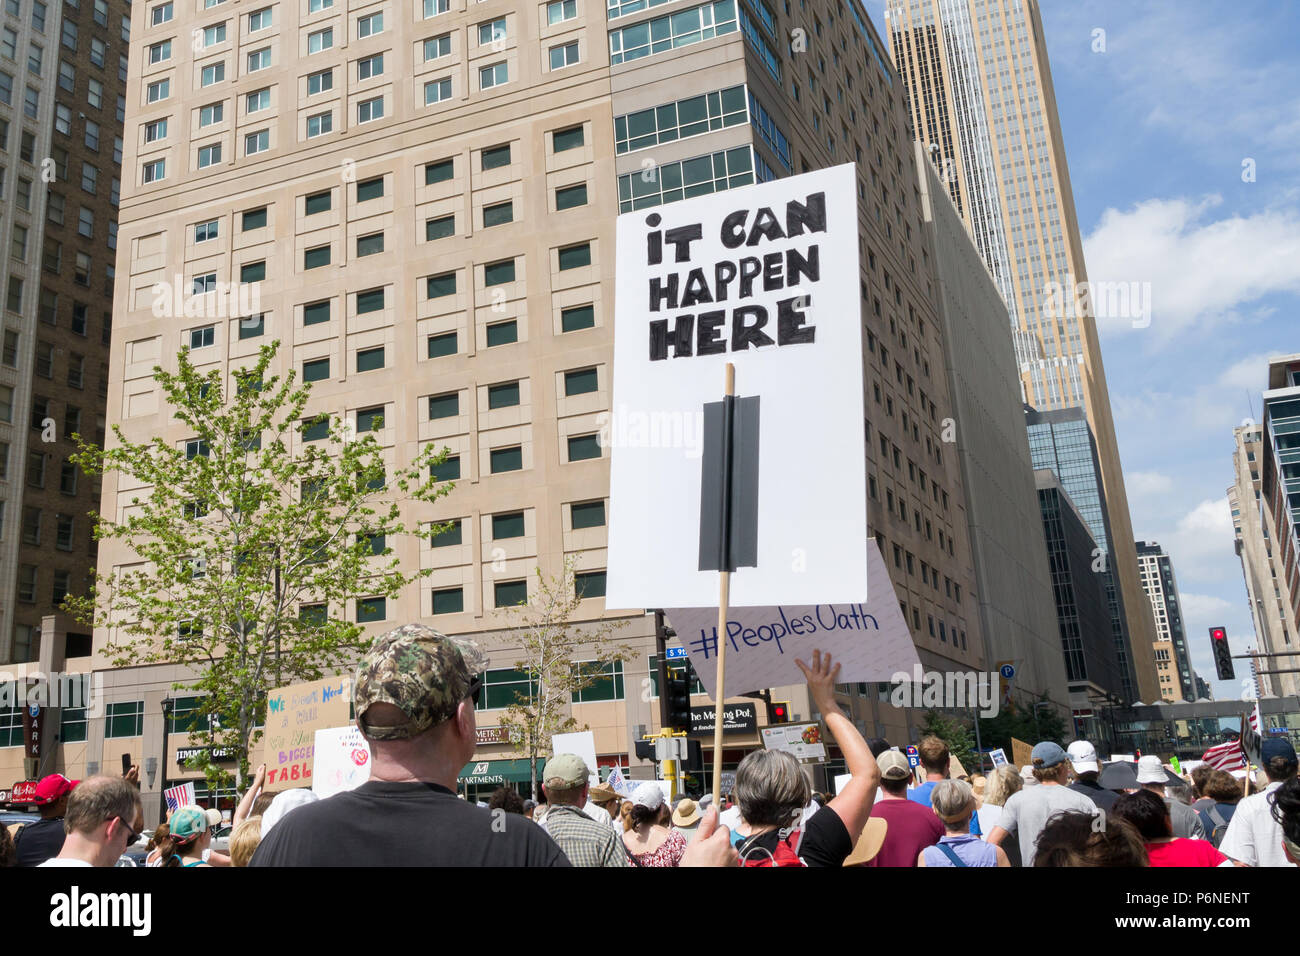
x: 1157, y: 127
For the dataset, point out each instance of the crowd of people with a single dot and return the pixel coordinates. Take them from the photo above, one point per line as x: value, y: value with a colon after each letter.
x: 415, y: 696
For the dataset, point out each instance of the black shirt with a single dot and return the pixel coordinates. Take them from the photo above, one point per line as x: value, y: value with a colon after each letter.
x: 39, y: 841
x: 1097, y: 794
x: 824, y: 841
x: 404, y: 824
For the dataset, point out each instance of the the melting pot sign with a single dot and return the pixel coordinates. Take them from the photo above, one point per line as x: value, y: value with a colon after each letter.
x: 765, y: 277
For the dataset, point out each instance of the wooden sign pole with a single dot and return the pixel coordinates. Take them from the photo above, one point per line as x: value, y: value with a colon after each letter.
x: 724, y: 583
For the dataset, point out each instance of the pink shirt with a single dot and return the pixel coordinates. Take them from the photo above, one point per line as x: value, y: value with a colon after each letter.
x: 1183, y: 852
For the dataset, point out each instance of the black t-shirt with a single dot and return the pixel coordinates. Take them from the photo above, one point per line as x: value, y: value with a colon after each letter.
x: 404, y: 824
x: 39, y: 841
x: 824, y: 841
x: 1097, y: 794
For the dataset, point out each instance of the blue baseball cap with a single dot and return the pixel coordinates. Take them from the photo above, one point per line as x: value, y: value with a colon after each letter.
x: 1047, y: 754
x: 1276, y: 747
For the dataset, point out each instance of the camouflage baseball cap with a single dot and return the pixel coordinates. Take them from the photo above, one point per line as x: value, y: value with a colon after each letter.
x: 422, y: 672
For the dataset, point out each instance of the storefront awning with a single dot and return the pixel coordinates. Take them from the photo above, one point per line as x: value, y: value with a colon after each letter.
x: 483, y: 772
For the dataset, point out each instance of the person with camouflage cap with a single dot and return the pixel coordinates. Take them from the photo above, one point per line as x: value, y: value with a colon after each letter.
x: 414, y: 692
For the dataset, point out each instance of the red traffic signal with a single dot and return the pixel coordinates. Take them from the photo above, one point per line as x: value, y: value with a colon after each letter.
x: 1222, y: 653
x: 1218, y: 633
x: 778, y: 712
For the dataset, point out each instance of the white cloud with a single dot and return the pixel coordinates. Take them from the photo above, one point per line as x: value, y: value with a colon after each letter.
x: 1139, y: 483
x: 1201, y: 272
x: 1201, y: 607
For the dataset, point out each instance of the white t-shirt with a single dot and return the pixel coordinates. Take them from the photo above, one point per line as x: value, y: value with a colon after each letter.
x: 1027, y: 811
x: 55, y: 861
x: 1253, y: 836
x: 989, y: 815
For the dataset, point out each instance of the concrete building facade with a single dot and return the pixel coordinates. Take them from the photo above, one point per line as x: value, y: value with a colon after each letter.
x: 1175, y: 669
x: 1011, y: 568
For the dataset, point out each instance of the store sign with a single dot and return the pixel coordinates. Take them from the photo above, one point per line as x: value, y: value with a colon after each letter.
x: 736, y: 719
x: 33, y: 719
x: 23, y: 792
x: 491, y: 735
x: 218, y: 753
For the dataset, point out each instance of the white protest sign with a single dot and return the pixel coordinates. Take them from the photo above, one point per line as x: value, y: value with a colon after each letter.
x: 872, y: 641
x: 999, y: 757
x: 841, y: 779
x: 342, y: 761
x: 765, y: 277
x: 582, y: 743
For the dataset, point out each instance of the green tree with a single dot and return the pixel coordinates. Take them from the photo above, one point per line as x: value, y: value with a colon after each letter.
x: 955, y: 734
x: 1030, y: 722
x: 550, y: 647
x: 250, y: 541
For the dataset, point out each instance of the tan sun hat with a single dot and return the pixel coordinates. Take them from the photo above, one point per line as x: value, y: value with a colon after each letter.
x: 869, y: 842
x: 687, y: 813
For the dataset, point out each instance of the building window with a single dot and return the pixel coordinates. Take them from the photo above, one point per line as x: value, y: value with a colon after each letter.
x: 442, y: 345
x: 370, y: 189
x: 574, y: 257
x: 252, y: 326
x: 368, y: 110
x: 371, y: 609
x: 680, y: 119
x: 509, y: 525
x: 506, y: 459
x: 435, y: 287
x: 254, y: 219
x: 587, y: 514
x: 503, y: 396
x: 320, y: 82
x: 449, y: 470
x: 510, y: 593
x: 494, y: 75
x: 320, y: 124
x: 318, y: 202
x: 498, y: 273
x: 153, y: 172
x: 435, y: 48
x: 315, y: 258
x: 27, y: 583
x: 372, y: 300
x: 259, y: 59
x: 258, y: 100
x: 444, y: 406
x: 160, y: 14
x: 437, y: 91
x: 580, y: 382
x: 211, y: 115
x: 564, y: 55
x: 589, y: 584
x: 316, y: 370
x: 451, y: 601
x: 433, y: 8
x: 315, y: 313
x: 449, y: 536
x: 320, y: 40
x: 369, y: 420
x: 209, y: 155
x: 560, y: 10
x: 368, y: 360
x: 212, y: 74
x: 155, y: 131
x: 439, y: 172
x: 252, y: 271
x: 125, y: 719
x: 157, y: 91
x: 570, y: 197
x: 259, y: 20
x: 258, y: 142
x: 370, y: 66
x: 214, y: 34
x: 576, y: 318
x: 502, y: 333
x: 691, y: 177
x: 498, y: 214
x: 672, y: 31
x: 583, y: 447
x: 607, y: 685
x: 370, y: 245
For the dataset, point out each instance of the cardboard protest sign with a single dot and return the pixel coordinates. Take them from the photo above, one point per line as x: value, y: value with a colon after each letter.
x: 803, y: 741
x: 342, y: 761
x: 582, y: 743
x: 1020, y: 753
x: 293, y: 715
x: 764, y: 277
x: 870, y: 640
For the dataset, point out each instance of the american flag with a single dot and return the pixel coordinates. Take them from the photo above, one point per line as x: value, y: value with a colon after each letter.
x: 619, y: 784
x: 1226, y: 757
x: 179, y: 796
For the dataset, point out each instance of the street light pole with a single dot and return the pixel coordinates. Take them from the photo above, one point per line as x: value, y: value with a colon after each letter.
x: 167, y: 705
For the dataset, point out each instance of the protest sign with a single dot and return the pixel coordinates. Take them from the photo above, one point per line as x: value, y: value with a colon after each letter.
x: 293, y: 715
x: 1021, y: 753
x: 803, y: 741
x: 871, y: 641
x: 582, y: 743
x: 342, y: 761
x: 999, y: 756
x: 766, y: 278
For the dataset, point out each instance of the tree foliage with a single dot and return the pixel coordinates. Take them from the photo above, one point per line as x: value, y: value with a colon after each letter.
x: 955, y: 734
x: 550, y: 646
x: 1030, y: 724
x: 251, y: 542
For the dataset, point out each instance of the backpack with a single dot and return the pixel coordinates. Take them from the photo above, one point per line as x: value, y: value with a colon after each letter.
x: 787, y: 853
x: 1220, y: 825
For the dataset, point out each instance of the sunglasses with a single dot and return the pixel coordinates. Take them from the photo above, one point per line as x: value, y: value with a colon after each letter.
x: 132, y: 834
x: 475, y: 686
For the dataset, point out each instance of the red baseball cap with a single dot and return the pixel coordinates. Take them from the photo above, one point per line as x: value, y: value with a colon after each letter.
x: 53, y: 787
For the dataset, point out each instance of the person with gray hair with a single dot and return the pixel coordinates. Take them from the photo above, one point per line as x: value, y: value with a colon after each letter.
x: 103, y: 818
x: 954, y: 802
x: 772, y: 791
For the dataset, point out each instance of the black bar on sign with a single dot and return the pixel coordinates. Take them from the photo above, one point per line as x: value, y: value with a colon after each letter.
x: 729, y: 485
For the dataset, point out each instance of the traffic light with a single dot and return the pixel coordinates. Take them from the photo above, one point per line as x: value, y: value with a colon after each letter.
x: 1222, y: 653
x: 778, y: 712
x: 694, y: 757
x: 678, y: 695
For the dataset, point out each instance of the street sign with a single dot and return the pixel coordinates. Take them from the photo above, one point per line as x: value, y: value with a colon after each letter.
x: 1008, y: 671
x: 674, y: 653
x: 913, y: 757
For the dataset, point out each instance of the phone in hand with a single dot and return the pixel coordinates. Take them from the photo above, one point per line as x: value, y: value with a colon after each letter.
x: 126, y: 764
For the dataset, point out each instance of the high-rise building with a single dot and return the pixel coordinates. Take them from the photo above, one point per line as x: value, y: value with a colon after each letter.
x: 988, y: 434
x: 426, y: 197
x: 980, y: 96
x: 63, y: 69
x: 1265, y: 503
x: 1083, y: 615
x: 1175, y: 671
